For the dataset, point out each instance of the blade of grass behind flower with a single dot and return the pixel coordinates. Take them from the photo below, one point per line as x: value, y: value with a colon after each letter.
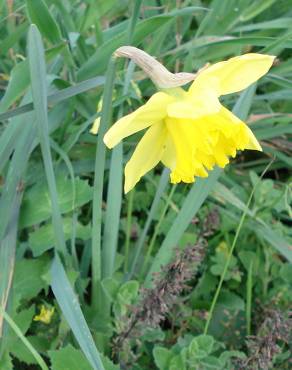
x: 39, y: 92
x: 98, y: 61
x: 19, y: 79
x: 195, y: 198
x: 70, y: 307
x: 39, y: 14
x: 57, y: 97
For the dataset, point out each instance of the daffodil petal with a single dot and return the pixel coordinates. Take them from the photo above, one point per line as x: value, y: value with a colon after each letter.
x: 253, y: 144
x: 241, y: 133
x: 190, y: 108
x: 150, y: 113
x: 146, y: 155
x: 189, y: 139
x: 169, y: 156
x: 234, y: 74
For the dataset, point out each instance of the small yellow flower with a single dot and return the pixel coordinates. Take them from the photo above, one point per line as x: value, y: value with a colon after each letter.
x: 190, y: 131
x: 45, y: 315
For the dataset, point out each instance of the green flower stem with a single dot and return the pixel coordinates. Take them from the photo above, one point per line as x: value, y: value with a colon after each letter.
x: 106, y: 115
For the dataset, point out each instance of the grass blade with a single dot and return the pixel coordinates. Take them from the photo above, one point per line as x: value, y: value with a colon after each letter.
x: 57, y: 97
x: 7, y: 255
x: 40, y: 15
x: 39, y: 92
x: 18, y: 332
x: 70, y: 307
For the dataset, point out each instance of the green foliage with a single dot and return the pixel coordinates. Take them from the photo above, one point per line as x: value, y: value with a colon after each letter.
x: 195, y: 353
x: 68, y: 358
x: 70, y: 239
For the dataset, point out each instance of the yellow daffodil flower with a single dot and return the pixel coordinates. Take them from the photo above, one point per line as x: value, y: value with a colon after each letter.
x: 190, y: 131
x: 45, y: 315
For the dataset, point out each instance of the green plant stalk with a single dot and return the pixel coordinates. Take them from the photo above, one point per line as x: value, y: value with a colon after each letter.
x: 114, y: 196
x: 106, y: 115
x: 18, y: 332
x: 39, y: 92
x: 242, y: 219
x: 128, y: 229
x: 155, y: 234
x: 72, y: 312
x: 249, y: 298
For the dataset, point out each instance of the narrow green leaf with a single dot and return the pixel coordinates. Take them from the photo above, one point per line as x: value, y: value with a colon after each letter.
x: 14, y: 178
x: 18, y: 332
x: 40, y: 15
x: 57, y: 97
x: 7, y: 255
x: 39, y: 92
x: 19, y: 80
x: 255, y: 8
x: 70, y: 307
x: 98, y: 61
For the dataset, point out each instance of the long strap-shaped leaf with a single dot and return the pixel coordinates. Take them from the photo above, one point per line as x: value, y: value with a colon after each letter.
x: 7, y: 255
x: 57, y: 97
x: 71, y: 309
x: 37, y: 66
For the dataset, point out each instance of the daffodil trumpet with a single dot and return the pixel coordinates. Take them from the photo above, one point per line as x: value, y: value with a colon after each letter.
x: 188, y: 131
